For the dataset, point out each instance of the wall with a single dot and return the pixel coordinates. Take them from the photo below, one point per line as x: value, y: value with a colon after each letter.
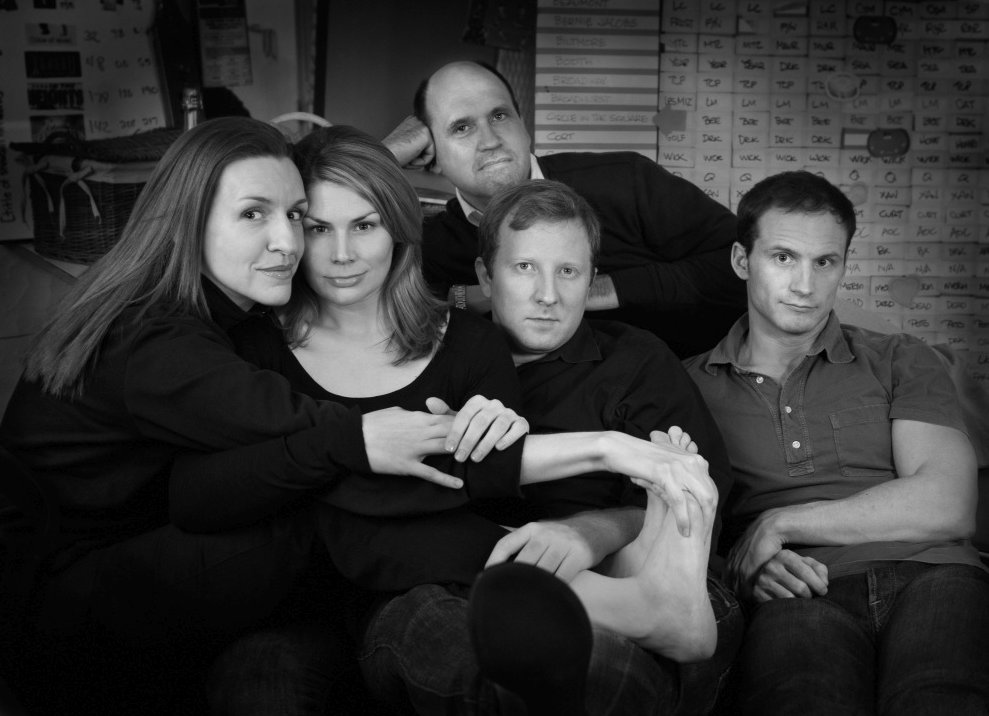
x: 379, y: 51
x: 748, y: 88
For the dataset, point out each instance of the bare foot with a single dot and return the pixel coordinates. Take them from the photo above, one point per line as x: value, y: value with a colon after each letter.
x: 676, y: 618
x: 676, y: 437
x: 631, y: 559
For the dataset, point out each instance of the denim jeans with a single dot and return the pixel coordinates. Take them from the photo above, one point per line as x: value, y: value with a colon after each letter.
x: 417, y: 653
x: 903, y: 638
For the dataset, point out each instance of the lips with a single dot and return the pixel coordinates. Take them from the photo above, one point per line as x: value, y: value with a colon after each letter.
x: 281, y: 271
x: 344, y: 281
x: 494, y: 162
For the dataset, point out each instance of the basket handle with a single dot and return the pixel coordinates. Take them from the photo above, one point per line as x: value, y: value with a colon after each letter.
x: 76, y: 178
x: 31, y: 174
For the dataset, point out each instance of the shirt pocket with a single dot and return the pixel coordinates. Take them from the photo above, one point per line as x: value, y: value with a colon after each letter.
x: 863, y: 440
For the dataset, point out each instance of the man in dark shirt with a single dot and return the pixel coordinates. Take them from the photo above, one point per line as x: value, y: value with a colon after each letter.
x: 664, y: 262
x: 538, y: 245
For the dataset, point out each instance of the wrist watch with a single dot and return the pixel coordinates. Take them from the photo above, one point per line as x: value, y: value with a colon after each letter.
x: 459, y: 293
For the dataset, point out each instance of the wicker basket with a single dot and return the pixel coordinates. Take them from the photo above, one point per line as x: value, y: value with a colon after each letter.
x: 82, y: 193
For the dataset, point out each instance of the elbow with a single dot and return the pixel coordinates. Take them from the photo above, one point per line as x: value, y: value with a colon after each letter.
x: 958, y: 526
x: 965, y: 528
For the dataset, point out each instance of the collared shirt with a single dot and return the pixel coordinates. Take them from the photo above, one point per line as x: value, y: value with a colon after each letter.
x: 474, y: 214
x: 611, y: 376
x: 825, y: 432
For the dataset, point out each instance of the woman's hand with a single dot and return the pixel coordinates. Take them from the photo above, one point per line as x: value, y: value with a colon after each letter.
x: 480, y: 426
x: 397, y: 440
x: 666, y: 470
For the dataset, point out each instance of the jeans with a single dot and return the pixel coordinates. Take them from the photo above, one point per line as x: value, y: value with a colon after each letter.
x: 903, y: 638
x: 417, y: 653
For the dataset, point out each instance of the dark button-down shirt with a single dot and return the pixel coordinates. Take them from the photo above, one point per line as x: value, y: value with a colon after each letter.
x: 611, y: 376
x: 825, y: 432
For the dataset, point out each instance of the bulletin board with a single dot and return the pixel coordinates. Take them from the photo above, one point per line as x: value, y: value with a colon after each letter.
x: 86, y: 69
x: 746, y: 88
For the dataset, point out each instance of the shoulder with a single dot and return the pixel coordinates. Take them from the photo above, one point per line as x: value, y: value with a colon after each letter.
x: 574, y: 161
x: 161, y: 323
x: 697, y: 363
x: 617, y: 339
x: 887, y: 348
x: 466, y: 328
x: 451, y: 218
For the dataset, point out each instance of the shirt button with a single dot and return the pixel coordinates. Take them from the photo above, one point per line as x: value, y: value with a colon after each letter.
x: 788, y: 409
x: 796, y: 444
x: 759, y: 380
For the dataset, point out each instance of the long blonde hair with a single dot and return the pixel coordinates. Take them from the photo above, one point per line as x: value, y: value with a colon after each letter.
x: 350, y: 158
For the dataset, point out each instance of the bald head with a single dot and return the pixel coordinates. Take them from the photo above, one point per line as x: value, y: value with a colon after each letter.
x: 480, y: 140
x: 419, y: 108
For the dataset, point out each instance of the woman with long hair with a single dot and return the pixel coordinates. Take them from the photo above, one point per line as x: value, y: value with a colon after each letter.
x: 138, y: 364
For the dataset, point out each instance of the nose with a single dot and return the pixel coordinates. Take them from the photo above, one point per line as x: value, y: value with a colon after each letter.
x: 545, y: 291
x: 286, y: 237
x: 340, y: 249
x: 802, y: 279
x: 487, y: 137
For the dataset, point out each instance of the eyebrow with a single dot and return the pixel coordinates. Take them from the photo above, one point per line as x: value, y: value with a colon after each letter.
x: 776, y: 248
x: 460, y: 120
x: 268, y: 200
x: 316, y: 219
x: 506, y: 108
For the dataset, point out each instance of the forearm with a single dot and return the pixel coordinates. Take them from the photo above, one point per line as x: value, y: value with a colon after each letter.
x: 602, y: 296
x: 698, y: 279
x: 912, y: 509
x: 553, y: 457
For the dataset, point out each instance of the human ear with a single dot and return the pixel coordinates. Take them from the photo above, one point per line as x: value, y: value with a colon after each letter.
x: 740, y: 261
x: 482, y: 276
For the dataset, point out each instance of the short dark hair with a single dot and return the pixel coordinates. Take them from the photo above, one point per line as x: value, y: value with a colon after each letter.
x: 534, y: 200
x: 419, y: 100
x: 799, y: 191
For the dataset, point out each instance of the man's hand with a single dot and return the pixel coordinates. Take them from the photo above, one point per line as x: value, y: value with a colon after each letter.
x: 397, y: 440
x: 480, y: 426
x: 760, y: 543
x: 558, y: 547
x: 787, y: 575
x: 411, y: 143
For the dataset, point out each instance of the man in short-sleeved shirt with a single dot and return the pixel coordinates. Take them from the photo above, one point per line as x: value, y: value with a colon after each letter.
x: 854, y: 492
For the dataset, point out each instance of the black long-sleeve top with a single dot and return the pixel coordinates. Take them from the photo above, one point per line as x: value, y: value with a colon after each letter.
x: 665, y: 244
x: 383, y: 532
x: 165, y: 383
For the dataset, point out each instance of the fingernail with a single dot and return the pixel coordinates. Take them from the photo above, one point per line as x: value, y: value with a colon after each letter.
x: 460, y: 456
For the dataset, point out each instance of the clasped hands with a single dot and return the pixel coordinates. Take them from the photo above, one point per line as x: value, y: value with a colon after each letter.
x: 397, y: 440
x: 760, y: 567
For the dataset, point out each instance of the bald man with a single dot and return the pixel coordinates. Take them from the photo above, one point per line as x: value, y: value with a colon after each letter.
x: 665, y: 258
